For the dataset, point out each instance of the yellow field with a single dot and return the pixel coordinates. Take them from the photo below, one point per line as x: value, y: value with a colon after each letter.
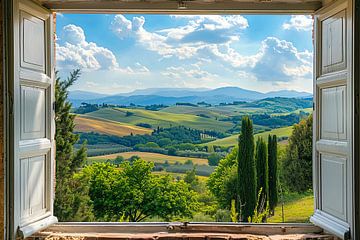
x: 103, y: 126
x: 152, y: 157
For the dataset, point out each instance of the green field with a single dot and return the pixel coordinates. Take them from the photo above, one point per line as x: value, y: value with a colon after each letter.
x: 297, y: 209
x: 161, y: 119
x: 151, y: 157
x: 233, y: 140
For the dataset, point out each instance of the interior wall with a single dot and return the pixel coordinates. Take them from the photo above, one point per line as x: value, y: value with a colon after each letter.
x: 2, y: 142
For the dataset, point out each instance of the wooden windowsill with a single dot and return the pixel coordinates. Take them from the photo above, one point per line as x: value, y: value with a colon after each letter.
x: 177, y: 231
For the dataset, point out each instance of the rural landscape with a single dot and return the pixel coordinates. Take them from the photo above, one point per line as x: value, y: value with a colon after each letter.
x: 184, y: 144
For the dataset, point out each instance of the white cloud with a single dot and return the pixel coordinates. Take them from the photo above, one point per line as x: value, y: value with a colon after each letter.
x: 77, y: 52
x: 299, y: 23
x: 279, y: 61
x: 182, y: 42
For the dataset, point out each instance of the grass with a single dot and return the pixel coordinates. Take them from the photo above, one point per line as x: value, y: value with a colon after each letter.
x: 103, y: 126
x: 233, y: 140
x: 162, y: 119
x: 181, y: 175
x: 297, y: 209
x: 151, y: 157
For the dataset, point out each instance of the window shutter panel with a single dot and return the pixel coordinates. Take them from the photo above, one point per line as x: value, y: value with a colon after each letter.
x: 32, y: 122
x: 333, y: 86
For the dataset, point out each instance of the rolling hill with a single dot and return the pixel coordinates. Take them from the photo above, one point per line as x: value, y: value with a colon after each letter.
x: 161, y: 119
x: 233, y: 140
x: 103, y: 126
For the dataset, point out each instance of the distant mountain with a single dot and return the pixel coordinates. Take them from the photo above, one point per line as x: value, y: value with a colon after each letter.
x: 167, y: 92
x: 83, y: 95
x: 171, y: 96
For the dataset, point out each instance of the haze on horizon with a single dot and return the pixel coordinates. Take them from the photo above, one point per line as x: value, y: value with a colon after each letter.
x: 119, y: 54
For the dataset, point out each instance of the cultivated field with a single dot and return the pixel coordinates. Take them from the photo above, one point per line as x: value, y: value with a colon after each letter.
x: 161, y: 119
x: 103, y: 126
x: 151, y: 157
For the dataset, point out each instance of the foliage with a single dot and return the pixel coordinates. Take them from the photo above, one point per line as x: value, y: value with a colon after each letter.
x: 71, y: 201
x: 246, y: 171
x: 262, y: 169
x: 273, y: 175
x: 86, y: 108
x: 261, y: 210
x: 297, y: 166
x: 233, y: 213
x: 214, y: 159
x: 191, y: 179
x: 134, y: 192
x: 222, y: 183
x: 222, y: 215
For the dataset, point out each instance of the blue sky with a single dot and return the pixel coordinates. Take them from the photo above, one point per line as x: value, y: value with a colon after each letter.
x: 121, y: 53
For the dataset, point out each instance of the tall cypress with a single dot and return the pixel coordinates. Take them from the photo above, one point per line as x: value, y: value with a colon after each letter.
x: 71, y: 200
x: 261, y: 169
x: 273, y: 175
x: 246, y: 171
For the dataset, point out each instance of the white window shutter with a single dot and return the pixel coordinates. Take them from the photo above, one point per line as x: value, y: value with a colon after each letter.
x: 32, y: 120
x: 333, y: 148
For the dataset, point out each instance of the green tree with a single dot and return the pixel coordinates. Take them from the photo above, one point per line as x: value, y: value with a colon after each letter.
x: 222, y: 183
x: 71, y: 200
x: 246, y: 171
x: 214, y: 159
x: 273, y: 174
x: 132, y: 192
x: 191, y: 178
x: 261, y: 169
x: 297, y: 166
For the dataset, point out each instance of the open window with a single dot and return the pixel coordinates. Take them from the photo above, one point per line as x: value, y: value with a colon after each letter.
x: 32, y: 119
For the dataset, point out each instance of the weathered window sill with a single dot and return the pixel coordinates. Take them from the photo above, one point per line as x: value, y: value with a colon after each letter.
x: 177, y: 231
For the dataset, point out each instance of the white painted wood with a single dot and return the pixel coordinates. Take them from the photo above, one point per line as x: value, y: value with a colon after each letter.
x: 333, y: 185
x: 33, y: 112
x: 32, y: 33
x: 333, y: 113
x: 33, y: 129
x: 333, y: 126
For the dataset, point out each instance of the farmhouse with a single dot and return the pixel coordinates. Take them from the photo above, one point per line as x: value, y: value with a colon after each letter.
x: 27, y: 121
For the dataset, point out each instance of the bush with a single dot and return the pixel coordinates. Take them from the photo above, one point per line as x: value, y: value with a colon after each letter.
x: 297, y: 165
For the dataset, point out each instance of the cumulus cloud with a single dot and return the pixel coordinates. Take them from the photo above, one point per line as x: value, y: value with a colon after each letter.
x: 299, y: 23
x: 279, y: 61
x: 182, y: 42
x: 77, y: 52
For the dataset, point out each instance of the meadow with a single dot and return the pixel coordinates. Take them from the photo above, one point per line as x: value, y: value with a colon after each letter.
x: 233, y: 140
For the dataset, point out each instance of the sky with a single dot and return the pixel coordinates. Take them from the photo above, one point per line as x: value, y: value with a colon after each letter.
x: 120, y: 53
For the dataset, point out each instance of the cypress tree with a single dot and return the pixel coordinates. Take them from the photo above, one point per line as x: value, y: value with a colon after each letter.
x: 71, y: 200
x: 261, y: 169
x: 273, y: 175
x: 246, y: 171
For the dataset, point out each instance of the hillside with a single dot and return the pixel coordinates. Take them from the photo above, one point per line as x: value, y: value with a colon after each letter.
x: 161, y: 119
x: 233, y: 140
x: 103, y: 126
